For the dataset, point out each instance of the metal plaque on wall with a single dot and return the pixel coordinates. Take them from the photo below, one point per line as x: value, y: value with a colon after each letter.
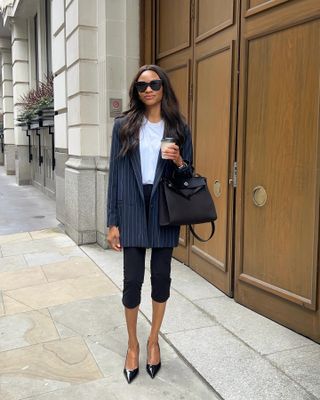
x: 115, y: 106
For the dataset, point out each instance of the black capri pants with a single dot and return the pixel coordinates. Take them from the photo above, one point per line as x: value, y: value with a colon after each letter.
x: 134, y: 267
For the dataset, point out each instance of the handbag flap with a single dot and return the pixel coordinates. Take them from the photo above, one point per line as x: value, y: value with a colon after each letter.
x: 187, y: 187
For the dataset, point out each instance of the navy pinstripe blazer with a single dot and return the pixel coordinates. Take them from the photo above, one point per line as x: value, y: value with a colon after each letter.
x: 126, y: 206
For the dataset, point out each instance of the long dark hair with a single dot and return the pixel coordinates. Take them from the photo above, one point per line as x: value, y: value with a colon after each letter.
x: 173, y: 120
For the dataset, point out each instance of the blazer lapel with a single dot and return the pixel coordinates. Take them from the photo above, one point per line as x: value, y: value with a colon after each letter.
x: 136, y: 165
x: 159, y: 171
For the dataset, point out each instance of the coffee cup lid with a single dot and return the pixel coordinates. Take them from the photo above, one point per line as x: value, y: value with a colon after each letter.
x: 168, y: 139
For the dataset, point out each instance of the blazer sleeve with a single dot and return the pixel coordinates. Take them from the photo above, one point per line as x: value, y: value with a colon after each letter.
x: 112, y: 197
x: 186, y: 153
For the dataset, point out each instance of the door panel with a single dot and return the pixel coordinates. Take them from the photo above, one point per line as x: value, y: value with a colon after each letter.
x: 214, y: 127
x: 281, y: 155
x: 177, y: 37
x: 174, y: 54
x: 277, y: 229
x: 259, y: 5
x: 212, y: 133
x: 278, y: 14
x: 213, y: 16
x: 178, y: 68
x: 180, y: 79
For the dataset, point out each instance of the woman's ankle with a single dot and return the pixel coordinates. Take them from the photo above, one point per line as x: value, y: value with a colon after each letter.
x: 133, y: 344
x: 153, y: 340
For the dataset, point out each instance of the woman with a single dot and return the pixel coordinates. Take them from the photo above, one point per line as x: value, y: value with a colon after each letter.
x: 136, y: 167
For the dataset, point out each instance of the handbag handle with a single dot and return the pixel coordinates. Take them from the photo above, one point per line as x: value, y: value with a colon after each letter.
x: 198, y: 237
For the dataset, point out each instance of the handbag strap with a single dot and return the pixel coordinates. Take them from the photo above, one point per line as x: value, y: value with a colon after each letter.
x: 198, y: 237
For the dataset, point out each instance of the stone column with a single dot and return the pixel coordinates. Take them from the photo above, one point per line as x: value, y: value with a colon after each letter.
x: 20, y: 74
x: 83, y: 129
x: 102, y: 162
x: 7, y: 102
x: 98, y: 63
x: 1, y: 110
x: 118, y: 60
x: 60, y: 102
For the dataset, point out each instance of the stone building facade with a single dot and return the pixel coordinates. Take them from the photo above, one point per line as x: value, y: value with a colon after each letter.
x: 92, y: 50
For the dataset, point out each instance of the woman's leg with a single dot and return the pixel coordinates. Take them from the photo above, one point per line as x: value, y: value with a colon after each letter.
x: 158, y: 310
x: 133, y: 268
x: 160, y: 280
x: 132, y: 360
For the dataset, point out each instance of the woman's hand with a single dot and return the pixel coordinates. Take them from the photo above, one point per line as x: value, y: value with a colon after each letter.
x: 172, y: 152
x: 113, y: 238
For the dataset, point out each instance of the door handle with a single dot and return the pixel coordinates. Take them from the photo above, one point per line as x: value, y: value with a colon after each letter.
x: 217, y: 188
x: 259, y: 196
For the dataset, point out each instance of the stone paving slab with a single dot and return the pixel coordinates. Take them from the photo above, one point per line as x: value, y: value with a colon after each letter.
x: 103, y: 389
x: 74, y: 268
x: 64, y: 291
x: 260, y: 333
x: 12, y: 263
x: 18, y: 237
x: 91, y: 316
x: 303, y: 365
x: 111, y: 265
x: 47, y: 233
x: 49, y: 257
x: 35, y: 246
x: 1, y: 304
x: 22, y: 278
x: 17, y: 387
x: 66, y: 360
x: 72, y: 251
x: 192, y: 285
x: 21, y: 330
x: 232, y: 368
x: 175, y: 380
x: 181, y: 314
x: 12, y: 306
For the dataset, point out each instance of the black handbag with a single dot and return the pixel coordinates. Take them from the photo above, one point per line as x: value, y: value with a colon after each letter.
x: 185, y: 201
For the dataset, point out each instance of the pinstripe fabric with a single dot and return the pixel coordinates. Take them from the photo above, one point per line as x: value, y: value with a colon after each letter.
x: 126, y: 208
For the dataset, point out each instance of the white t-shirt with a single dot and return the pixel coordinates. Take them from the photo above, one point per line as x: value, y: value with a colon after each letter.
x: 151, y: 134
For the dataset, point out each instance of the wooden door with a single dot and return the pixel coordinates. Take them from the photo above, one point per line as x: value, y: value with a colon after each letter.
x: 215, y: 65
x: 174, y: 54
x: 277, y: 223
x: 196, y: 43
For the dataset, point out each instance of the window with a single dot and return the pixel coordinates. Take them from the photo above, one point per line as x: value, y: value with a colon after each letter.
x: 48, y: 36
x: 36, y: 49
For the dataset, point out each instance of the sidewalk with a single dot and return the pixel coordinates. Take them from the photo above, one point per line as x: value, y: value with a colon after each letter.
x: 62, y: 330
x: 24, y: 208
x: 63, y: 335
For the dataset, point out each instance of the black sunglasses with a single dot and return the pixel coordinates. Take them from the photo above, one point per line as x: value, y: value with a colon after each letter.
x: 141, y: 86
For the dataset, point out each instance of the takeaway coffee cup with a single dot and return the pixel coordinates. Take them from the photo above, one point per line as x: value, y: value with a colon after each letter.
x: 165, y: 143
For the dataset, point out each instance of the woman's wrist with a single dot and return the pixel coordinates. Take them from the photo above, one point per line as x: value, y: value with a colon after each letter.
x: 179, y: 163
